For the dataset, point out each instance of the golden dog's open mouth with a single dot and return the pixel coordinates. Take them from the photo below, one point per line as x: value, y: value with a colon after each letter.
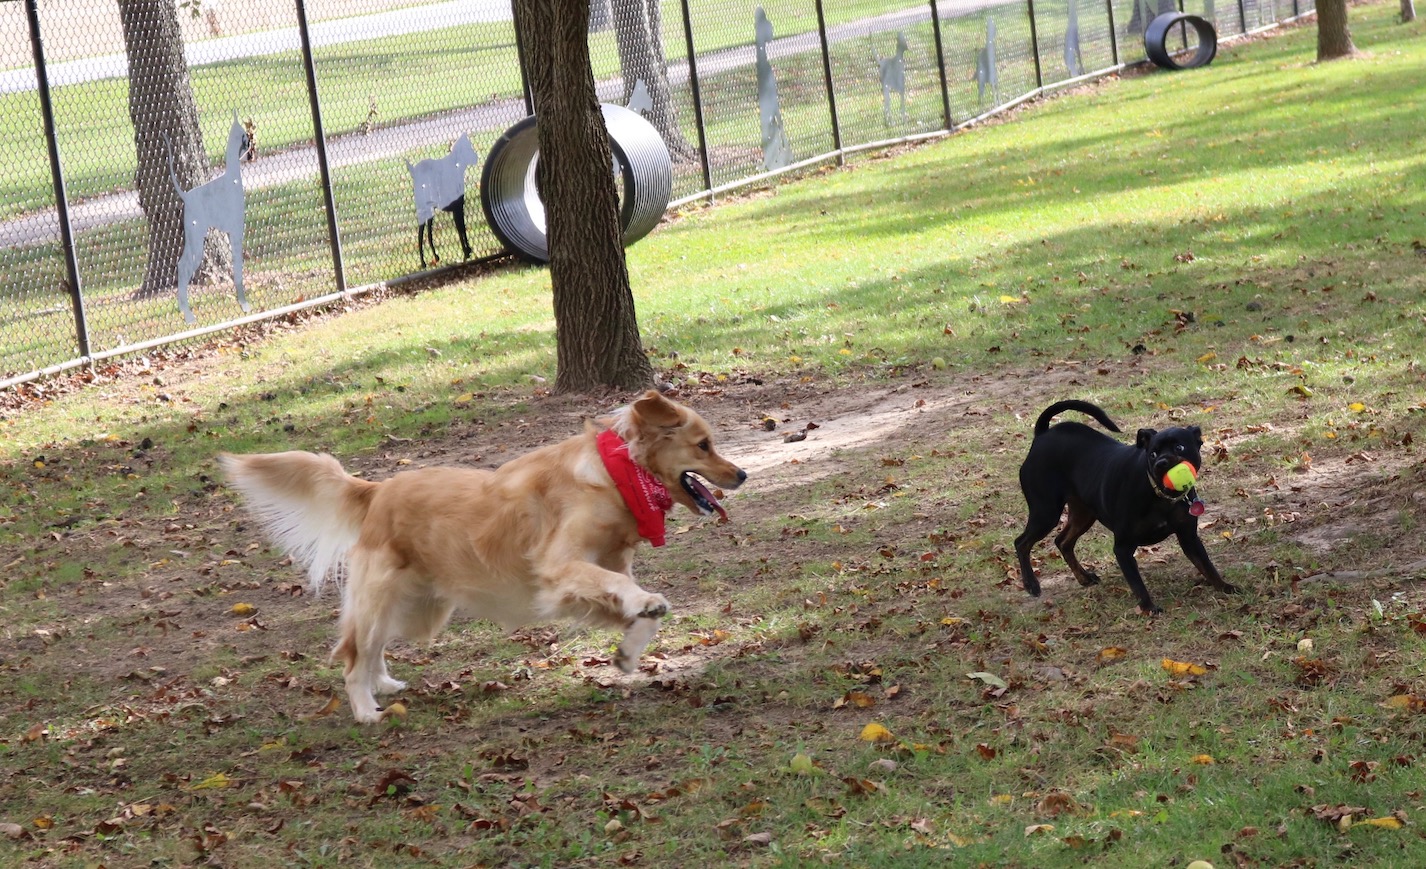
x: 707, y: 504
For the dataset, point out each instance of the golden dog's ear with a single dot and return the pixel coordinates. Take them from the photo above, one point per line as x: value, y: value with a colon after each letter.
x: 657, y: 411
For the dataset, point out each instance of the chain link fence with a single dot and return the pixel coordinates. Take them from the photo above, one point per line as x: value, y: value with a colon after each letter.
x: 170, y: 168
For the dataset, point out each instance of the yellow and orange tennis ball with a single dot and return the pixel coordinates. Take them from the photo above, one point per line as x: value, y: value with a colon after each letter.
x: 1181, y: 477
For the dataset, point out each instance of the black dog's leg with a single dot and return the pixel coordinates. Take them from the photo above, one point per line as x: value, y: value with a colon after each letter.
x: 1045, y: 511
x: 1080, y: 520
x: 1192, y: 546
x: 421, y: 243
x: 1124, y: 554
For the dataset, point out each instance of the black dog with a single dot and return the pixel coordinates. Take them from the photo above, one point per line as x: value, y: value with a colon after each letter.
x: 1116, y: 484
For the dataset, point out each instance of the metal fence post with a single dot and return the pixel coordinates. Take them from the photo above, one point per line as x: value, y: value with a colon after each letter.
x: 61, y: 198
x: 520, y: 56
x: 1243, y: 14
x: 320, y: 139
x: 1113, y: 31
x: 1035, y: 45
x: 697, y: 97
x: 941, y: 64
x: 831, y: 87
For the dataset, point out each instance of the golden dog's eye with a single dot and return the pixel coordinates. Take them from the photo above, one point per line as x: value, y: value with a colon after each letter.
x: 704, y: 445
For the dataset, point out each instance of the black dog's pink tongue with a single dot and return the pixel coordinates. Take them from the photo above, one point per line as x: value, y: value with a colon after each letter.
x: 701, y: 491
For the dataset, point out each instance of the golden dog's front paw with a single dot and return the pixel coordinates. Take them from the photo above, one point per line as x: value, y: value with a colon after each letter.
x: 656, y: 607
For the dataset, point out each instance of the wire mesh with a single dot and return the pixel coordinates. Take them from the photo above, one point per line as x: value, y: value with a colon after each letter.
x: 152, y: 103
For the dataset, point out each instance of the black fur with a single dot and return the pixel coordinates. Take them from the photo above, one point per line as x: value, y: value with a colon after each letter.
x: 1101, y: 479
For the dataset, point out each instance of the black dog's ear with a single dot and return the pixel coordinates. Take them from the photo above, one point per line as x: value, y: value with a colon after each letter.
x: 1197, y: 434
x: 1145, y: 435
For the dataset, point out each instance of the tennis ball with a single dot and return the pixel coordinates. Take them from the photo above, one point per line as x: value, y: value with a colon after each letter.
x: 1180, y: 477
x: 938, y: 363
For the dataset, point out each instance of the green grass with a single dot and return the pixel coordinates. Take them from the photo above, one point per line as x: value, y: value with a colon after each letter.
x: 1057, y: 254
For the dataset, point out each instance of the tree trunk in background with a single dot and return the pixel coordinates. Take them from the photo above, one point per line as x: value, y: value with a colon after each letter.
x: 1333, y: 39
x: 638, y: 27
x: 597, y: 331
x: 161, y: 105
x: 1408, y: 11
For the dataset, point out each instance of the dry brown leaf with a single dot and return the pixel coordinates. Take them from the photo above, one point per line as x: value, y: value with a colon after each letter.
x: 333, y: 704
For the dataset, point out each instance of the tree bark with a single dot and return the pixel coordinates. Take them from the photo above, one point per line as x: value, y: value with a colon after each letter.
x: 165, y: 119
x: 638, y: 30
x: 1333, y: 39
x: 597, y: 331
x: 1408, y: 11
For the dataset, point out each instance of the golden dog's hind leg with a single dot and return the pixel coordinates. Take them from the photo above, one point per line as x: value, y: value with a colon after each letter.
x: 372, y: 615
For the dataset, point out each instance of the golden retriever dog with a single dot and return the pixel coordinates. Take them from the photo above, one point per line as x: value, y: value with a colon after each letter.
x: 549, y: 535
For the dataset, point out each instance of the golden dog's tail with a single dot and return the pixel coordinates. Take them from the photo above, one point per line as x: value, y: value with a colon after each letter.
x: 309, y: 507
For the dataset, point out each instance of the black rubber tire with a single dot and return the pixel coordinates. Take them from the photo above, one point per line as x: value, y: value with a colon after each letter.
x: 1157, y: 34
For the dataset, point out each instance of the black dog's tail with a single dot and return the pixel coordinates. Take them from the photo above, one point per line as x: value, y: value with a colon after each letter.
x: 1042, y: 424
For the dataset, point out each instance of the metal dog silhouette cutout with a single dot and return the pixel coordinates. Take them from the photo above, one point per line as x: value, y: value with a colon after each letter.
x: 987, y: 73
x: 777, y: 153
x: 215, y: 204
x: 893, y: 78
x: 1074, y: 59
x: 439, y: 184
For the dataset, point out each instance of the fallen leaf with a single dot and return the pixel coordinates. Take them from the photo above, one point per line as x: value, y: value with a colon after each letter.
x: 1183, y: 668
x: 1112, y: 653
x: 1036, y: 829
x: 801, y: 764
x: 855, y: 698
x: 243, y: 609
x: 874, y: 732
x: 212, y: 782
x: 988, y: 678
x: 333, y: 704
x: 1203, y: 759
x: 1386, y: 823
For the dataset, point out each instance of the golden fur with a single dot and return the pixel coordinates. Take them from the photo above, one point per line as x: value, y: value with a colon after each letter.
x: 545, y: 536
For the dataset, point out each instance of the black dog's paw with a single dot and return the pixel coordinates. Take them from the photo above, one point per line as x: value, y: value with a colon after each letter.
x: 1229, y: 588
x: 1151, y: 610
x: 1088, y: 578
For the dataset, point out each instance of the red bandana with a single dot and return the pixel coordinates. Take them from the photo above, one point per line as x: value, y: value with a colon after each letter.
x: 646, y: 497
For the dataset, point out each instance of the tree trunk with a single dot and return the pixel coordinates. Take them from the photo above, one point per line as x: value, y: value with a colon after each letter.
x: 1333, y: 39
x: 638, y: 29
x: 1408, y: 11
x: 597, y: 332
x: 165, y: 117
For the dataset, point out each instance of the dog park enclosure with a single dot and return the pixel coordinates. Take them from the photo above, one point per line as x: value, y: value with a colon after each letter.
x: 339, y: 101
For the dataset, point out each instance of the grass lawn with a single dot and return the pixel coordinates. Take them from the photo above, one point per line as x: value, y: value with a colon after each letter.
x: 851, y: 671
